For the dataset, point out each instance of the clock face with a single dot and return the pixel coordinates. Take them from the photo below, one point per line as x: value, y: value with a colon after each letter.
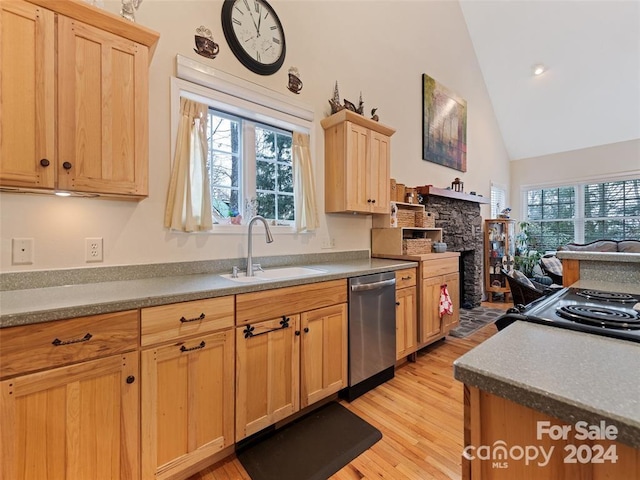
x: 254, y: 34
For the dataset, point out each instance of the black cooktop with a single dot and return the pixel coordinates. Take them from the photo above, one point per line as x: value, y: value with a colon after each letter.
x: 610, y: 314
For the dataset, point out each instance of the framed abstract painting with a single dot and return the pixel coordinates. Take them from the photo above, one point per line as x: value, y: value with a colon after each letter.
x: 444, y: 125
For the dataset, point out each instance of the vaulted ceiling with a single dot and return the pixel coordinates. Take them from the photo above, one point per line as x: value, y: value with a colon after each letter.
x: 590, y: 94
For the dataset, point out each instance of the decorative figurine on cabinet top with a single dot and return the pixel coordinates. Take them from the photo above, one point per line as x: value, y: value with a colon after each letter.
x: 457, y: 185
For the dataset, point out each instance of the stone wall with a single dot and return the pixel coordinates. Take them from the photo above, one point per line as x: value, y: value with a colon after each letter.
x: 461, y: 225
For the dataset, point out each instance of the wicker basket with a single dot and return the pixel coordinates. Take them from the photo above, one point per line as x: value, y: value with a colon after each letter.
x: 425, y: 219
x: 416, y: 246
x: 406, y: 218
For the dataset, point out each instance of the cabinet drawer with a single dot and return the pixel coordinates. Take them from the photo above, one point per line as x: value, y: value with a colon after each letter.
x: 39, y: 346
x: 440, y: 266
x: 269, y: 304
x: 405, y: 278
x: 172, y: 322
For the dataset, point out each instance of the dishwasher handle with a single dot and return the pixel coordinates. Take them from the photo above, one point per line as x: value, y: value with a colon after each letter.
x: 373, y: 286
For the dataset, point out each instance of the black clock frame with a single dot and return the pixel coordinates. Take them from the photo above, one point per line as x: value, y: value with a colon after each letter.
x: 236, y: 47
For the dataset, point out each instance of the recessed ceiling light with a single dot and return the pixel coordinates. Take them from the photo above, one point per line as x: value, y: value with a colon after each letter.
x: 539, y: 69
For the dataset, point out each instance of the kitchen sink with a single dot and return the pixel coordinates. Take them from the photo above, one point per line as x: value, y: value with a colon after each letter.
x: 275, y: 274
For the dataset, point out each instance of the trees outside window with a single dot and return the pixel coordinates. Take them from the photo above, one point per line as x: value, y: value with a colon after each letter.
x: 251, y: 169
x: 583, y: 213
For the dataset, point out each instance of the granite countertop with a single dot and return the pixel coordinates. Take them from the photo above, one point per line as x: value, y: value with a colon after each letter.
x: 600, y: 256
x: 34, y: 305
x: 569, y: 375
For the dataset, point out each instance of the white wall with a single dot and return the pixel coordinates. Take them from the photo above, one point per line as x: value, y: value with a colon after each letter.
x: 381, y: 48
x: 613, y: 161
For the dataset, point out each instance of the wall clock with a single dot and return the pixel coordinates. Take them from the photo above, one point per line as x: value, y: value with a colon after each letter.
x: 254, y: 34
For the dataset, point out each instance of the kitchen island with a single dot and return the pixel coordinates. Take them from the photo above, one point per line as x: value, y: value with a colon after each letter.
x: 546, y: 402
x: 619, y: 267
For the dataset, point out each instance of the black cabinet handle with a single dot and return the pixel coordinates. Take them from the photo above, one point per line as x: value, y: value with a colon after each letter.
x: 187, y: 320
x: 306, y: 329
x: 44, y: 162
x: 398, y: 303
x: 406, y: 278
x: 373, y: 201
x: 368, y: 200
x: 197, y: 347
x: 297, y: 332
x: 67, y: 166
x: 131, y: 379
x: 57, y: 342
x: 284, y: 323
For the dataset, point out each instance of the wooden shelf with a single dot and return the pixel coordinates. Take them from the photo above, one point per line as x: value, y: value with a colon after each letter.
x: 443, y: 192
x: 388, y: 241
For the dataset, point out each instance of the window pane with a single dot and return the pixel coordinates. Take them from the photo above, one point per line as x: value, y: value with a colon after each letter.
x: 265, y: 143
x: 285, y: 207
x: 284, y: 148
x: 285, y: 178
x: 265, y: 176
x: 223, y: 134
x: 266, y: 205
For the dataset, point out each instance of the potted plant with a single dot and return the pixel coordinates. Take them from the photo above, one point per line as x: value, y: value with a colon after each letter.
x: 526, y: 256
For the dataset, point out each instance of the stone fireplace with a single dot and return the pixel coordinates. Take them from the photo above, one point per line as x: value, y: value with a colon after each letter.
x: 461, y: 225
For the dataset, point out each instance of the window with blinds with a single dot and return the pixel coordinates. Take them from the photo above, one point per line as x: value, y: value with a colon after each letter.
x: 583, y: 213
x: 498, y: 200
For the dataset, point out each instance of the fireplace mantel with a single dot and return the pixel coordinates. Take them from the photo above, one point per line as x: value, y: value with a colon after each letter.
x: 444, y: 192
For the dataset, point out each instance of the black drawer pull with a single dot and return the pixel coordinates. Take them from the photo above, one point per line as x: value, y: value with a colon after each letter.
x: 57, y: 342
x: 398, y: 303
x: 197, y: 347
x: 406, y: 278
x: 187, y: 320
x: 284, y: 323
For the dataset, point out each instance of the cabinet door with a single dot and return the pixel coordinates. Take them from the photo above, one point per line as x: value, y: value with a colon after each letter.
x: 406, y: 322
x: 27, y: 95
x: 74, y: 422
x: 357, y: 168
x: 379, y: 173
x: 267, y: 373
x: 324, y: 353
x: 430, y: 316
x: 452, y: 280
x: 187, y: 403
x: 102, y: 111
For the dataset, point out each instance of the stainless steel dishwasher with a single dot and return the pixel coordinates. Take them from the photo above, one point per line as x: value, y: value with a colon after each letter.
x: 372, y: 332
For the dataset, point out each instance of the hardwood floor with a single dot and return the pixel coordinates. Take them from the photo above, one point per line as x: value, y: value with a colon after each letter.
x: 419, y: 413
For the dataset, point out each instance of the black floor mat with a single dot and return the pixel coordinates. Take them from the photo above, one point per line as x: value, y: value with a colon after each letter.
x: 312, y: 448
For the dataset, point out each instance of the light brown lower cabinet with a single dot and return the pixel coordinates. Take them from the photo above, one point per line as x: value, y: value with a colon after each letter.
x: 497, y: 431
x: 187, y: 388
x: 187, y: 403
x: 435, y: 274
x: 73, y: 422
x: 406, y: 313
x: 287, y: 363
x: 69, y: 399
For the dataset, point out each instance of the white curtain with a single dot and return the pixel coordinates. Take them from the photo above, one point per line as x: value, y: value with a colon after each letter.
x: 304, y: 185
x: 189, y: 199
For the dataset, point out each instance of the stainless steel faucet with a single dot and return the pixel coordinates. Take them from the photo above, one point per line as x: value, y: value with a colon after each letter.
x: 250, y: 265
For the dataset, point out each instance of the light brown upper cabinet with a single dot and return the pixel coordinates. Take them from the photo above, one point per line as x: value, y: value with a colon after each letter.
x: 357, y: 164
x: 74, y: 101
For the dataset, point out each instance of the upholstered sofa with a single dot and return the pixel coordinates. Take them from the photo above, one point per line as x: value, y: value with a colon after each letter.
x: 625, y: 246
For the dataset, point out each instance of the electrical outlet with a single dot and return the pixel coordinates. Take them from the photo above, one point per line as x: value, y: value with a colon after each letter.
x: 93, y: 249
x: 328, y: 242
x: 22, y: 251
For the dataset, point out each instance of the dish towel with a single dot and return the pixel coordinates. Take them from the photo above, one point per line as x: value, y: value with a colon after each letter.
x: 446, y: 306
